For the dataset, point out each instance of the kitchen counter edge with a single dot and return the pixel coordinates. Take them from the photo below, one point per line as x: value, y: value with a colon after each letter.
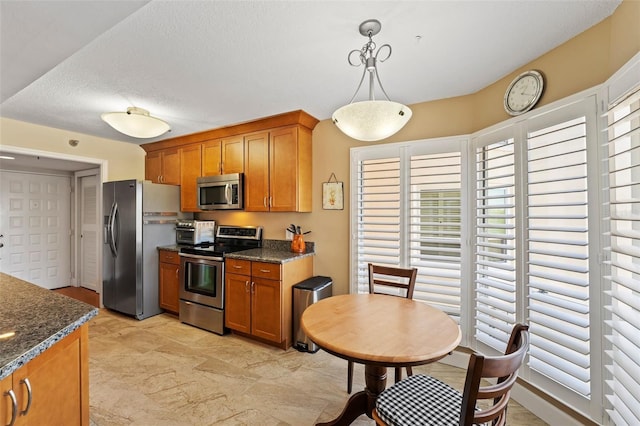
x: 49, y: 305
x: 267, y: 255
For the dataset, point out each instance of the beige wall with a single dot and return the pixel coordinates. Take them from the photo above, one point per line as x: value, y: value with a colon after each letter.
x: 583, y: 62
x: 124, y: 160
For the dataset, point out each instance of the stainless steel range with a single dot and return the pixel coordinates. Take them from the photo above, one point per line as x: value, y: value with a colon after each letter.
x: 202, y: 275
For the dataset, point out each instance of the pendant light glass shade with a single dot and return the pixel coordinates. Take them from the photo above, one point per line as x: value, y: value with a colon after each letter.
x: 371, y: 120
x: 136, y: 122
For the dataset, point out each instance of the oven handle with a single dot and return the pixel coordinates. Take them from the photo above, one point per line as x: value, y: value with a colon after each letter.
x: 197, y: 256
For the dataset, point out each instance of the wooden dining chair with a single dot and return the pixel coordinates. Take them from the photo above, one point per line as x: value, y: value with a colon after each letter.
x: 424, y: 400
x: 395, y: 282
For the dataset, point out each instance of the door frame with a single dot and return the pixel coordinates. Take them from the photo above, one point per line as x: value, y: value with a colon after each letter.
x: 77, y: 226
x: 103, y: 166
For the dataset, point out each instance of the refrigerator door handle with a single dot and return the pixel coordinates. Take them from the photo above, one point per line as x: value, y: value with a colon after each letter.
x: 113, y: 217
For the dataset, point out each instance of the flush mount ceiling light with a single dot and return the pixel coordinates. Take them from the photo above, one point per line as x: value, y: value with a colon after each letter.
x: 136, y: 122
x: 370, y: 120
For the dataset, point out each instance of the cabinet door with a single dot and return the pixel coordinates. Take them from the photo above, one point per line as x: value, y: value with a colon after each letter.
x: 238, y: 302
x: 256, y: 170
x: 233, y: 155
x: 266, y: 307
x: 283, y: 170
x: 211, y: 155
x: 169, y: 281
x: 55, y: 379
x: 153, y: 166
x: 190, y: 166
x: 171, y: 167
x: 6, y: 404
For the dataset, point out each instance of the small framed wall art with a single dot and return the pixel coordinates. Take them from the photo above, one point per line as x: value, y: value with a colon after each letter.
x: 332, y: 194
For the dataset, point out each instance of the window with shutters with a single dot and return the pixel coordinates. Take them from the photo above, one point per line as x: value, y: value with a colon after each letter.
x: 623, y: 279
x: 495, y: 275
x: 408, y: 213
x: 557, y: 253
x: 378, y: 215
x: 534, y: 220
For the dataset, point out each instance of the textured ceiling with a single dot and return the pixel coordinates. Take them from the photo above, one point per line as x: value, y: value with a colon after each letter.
x: 205, y: 64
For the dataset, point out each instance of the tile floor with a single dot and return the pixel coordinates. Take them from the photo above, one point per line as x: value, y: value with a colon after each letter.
x: 162, y: 372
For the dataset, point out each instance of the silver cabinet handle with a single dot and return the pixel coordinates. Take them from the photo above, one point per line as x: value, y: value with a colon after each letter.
x: 14, y: 406
x: 26, y: 382
x: 270, y: 201
x: 265, y: 270
x: 253, y: 287
x: 246, y: 286
x: 264, y: 201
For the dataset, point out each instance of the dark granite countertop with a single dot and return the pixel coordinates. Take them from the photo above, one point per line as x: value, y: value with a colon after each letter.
x: 32, y: 319
x: 274, y: 251
x: 267, y: 255
x: 173, y: 247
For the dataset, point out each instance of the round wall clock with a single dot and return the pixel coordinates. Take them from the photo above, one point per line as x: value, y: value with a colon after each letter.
x: 523, y: 92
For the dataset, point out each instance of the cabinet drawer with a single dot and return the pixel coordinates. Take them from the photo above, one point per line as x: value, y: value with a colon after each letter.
x: 238, y: 266
x: 270, y: 271
x: 169, y: 256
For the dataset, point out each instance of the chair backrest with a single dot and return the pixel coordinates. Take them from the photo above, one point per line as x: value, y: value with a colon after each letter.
x: 503, y: 370
x: 400, y: 278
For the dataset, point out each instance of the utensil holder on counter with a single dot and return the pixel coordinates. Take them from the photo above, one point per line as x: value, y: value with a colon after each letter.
x: 297, y: 244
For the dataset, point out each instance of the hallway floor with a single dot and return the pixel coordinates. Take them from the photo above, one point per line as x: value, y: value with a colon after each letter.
x: 162, y: 372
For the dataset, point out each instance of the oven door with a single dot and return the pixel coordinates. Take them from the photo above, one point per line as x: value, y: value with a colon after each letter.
x: 202, y: 280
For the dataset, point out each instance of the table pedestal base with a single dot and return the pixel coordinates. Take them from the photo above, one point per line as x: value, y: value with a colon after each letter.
x: 364, y: 401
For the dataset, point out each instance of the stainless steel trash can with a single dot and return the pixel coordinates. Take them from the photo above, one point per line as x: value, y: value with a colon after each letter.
x: 306, y: 293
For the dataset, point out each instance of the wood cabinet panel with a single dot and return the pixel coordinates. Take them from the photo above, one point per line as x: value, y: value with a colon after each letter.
x: 59, y: 382
x: 212, y: 158
x: 270, y: 271
x: 169, y: 280
x: 190, y: 171
x: 266, y: 308
x: 283, y: 170
x: 238, y: 302
x: 6, y: 403
x: 233, y: 155
x: 256, y: 169
x: 259, y: 299
x: 223, y: 156
x: 163, y: 166
x: 238, y: 266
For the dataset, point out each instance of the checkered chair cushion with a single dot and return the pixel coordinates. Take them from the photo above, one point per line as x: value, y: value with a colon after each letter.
x: 420, y: 400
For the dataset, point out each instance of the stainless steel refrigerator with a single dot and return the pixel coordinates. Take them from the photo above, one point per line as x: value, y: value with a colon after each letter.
x: 139, y: 216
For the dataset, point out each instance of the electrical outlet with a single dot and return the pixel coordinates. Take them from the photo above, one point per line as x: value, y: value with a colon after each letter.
x: 288, y: 235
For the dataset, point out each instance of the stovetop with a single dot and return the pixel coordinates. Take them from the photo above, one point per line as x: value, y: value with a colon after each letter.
x: 228, y: 239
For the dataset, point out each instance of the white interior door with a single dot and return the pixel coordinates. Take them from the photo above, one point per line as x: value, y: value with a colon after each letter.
x: 89, y: 232
x: 35, y: 220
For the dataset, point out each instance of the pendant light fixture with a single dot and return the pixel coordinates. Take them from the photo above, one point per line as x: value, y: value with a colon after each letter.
x: 136, y: 122
x: 370, y: 120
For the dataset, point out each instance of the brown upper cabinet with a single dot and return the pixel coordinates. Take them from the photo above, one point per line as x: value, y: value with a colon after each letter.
x: 163, y: 166
x: 274, y: 153
x: 278, y: 170
x: 223, y: 156
x: 191, y: 161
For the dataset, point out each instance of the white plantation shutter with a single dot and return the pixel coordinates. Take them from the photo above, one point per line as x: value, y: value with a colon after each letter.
x: 557, y: 258
x: 623, y: 324
x: 495, y: 275
x: 435, y: 218
x: 378, y: 215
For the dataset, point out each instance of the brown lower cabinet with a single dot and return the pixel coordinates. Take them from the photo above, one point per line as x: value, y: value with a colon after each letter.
x: 169, y: 280
x: 259, y: 298
x: 59, y: 385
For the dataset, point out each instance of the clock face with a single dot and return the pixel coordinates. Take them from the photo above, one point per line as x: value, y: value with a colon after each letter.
x: 523, y: 93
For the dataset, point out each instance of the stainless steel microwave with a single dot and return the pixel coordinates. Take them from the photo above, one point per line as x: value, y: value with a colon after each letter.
x: 223, y: 192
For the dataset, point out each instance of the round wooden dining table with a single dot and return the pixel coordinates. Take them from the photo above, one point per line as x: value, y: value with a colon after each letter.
x: 378, y: 331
